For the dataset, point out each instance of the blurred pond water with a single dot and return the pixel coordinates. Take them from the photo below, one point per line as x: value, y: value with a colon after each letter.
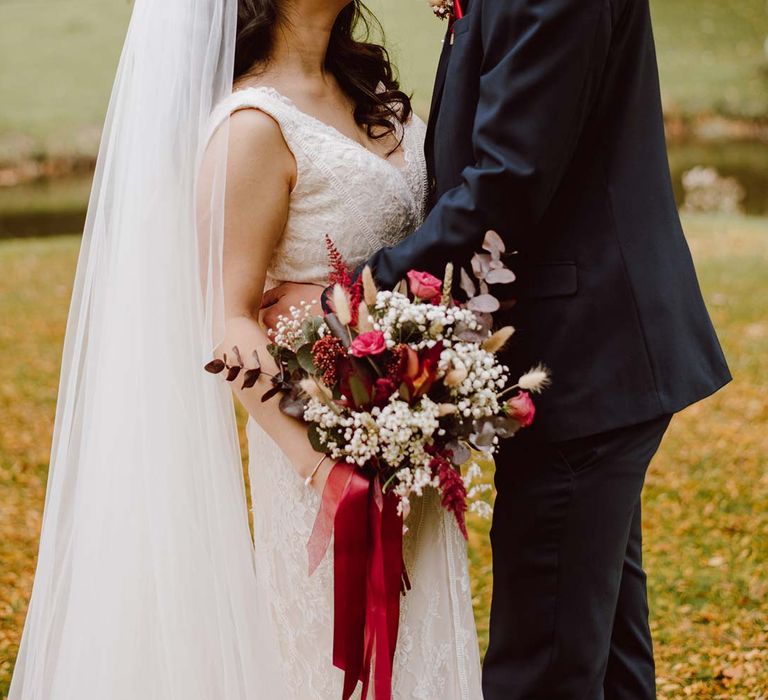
x: 58, y: 206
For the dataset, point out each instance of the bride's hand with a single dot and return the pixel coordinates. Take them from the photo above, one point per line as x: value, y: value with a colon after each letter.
x: 278, y: 301
x: 243, y: 345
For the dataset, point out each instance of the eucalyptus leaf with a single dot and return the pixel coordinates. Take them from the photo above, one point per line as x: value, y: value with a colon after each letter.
x: 250, y: 377
x: 310, y: 329
x: 460, y: 453
x: 481, y: 265
x: 485, y: 303
x: 483, y: 437
x: 274, y: 391
x: 494, y: 244
x: 292, y: 405
x: 500, y: 275
x: 506, y: 427
x: 215, y: 366
x: 467, y: 285
x: 468, y: 335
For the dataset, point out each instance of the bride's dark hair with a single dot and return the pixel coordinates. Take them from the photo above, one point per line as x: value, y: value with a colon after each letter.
x: 362, y: 67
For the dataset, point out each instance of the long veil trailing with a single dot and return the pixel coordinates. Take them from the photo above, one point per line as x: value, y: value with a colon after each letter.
x: 145, y: 585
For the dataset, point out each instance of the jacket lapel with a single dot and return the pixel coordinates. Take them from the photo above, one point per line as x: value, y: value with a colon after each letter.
x: 437, y: 96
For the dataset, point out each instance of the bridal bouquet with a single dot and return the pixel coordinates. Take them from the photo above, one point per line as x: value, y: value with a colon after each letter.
x: 407, y: 383
x: 400, y: 387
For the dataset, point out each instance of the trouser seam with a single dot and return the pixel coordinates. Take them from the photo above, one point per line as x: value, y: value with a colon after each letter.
x: 566, y: 516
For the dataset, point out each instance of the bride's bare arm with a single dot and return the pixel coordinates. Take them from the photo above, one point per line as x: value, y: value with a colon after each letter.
x: 261, y: 173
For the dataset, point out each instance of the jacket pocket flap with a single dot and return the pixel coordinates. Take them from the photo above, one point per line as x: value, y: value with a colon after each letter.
x: 546, y: 280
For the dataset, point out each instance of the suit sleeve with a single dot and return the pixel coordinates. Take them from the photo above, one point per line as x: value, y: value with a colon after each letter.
x: 542, y: 65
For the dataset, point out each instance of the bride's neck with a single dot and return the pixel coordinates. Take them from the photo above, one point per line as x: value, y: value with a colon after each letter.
x: 301, y: 44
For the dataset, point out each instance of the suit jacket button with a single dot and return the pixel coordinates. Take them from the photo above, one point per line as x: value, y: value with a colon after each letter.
x: 432, y: 184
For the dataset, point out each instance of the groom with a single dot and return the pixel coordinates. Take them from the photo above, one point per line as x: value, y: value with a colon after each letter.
x: 546, y: 126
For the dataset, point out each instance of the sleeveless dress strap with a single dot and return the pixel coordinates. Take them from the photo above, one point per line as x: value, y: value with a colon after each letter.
x: 272, y: 103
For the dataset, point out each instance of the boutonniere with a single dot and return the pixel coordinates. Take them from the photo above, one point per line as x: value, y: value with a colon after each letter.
x: 447, y: 9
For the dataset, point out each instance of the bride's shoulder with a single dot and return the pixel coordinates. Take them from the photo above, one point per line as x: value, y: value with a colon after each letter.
x: 257, y: 145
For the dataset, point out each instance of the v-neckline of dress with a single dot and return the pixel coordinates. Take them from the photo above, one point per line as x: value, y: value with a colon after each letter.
x: 401, y: 171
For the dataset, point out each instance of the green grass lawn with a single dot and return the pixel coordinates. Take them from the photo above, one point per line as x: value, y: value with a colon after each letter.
x: 706, y: 506
x: 57, y: 59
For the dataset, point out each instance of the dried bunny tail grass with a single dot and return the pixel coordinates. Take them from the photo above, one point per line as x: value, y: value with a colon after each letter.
x: 447, y: 409
x: 448, y: 285
x: 363, y: 318
x: 535, y: 380
x: 499, y: 339
x: 341, y: 305
x: 369, y: 287
x: 455, y: 377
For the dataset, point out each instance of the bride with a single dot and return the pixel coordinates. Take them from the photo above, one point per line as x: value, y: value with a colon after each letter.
x: 239, y: 135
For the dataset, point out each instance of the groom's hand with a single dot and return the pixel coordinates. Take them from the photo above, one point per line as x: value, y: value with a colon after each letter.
x: 278, y: 301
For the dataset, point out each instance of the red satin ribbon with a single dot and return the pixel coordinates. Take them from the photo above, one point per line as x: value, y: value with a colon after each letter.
x: 458, y: 12
x: 368, y: 576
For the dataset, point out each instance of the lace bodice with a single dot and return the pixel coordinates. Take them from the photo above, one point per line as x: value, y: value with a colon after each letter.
x: 343, y: 190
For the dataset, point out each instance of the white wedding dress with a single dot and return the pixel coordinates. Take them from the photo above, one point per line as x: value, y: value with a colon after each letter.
x: 363, y: 202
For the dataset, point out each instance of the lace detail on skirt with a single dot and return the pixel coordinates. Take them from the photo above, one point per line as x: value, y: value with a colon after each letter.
x: 437, y: 655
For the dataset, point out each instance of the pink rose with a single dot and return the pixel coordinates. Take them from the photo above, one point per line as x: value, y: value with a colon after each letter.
x: 521, y: 408
x: 370, y: 343
x: 424, y: 286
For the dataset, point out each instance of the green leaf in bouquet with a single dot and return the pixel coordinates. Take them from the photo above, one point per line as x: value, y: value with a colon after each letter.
x: 285, y: 357
x: 310, y: 329
x: 360, y: 393
x: 316, y: 439
x: 355, y: 382
x: 338, y: 329
x: 305, y: 359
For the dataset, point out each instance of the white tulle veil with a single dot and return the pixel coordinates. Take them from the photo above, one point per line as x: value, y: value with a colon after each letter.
x: 145, y: 586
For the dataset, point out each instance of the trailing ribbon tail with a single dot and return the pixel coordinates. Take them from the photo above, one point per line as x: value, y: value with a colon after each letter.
x: 368, y: 576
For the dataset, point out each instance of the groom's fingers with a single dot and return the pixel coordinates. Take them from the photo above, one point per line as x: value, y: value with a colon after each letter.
x: 272, y: 296
x: 271, y: 315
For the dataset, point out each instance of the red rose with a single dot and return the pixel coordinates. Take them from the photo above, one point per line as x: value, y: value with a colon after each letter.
x: 521, y: 408
x: 424, y: 286
x: 370, y: 343
x: 383, y: 390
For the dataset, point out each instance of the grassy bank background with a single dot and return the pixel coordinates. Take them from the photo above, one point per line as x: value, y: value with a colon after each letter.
x: 57, y: 61
x: 706, y: 505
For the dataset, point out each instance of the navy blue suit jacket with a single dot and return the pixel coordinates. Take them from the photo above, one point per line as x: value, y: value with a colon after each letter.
x: 547, y: 126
